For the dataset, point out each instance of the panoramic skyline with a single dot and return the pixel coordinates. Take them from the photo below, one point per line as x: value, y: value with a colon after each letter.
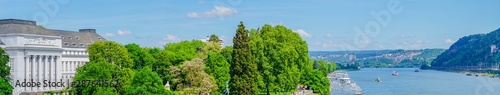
x: 325, y: 25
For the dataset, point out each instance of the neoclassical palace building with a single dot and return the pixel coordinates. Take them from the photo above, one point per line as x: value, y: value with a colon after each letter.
x: 43, y: 59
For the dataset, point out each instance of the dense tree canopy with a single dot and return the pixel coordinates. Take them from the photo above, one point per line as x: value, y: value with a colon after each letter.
x: 268, y: 59
x: 110, y: 52
x: 108, y: 61
x: 218, y: 67
x: 473, y: 51
x: 146, y: 82
x: 281, y: 55
x: 139, y: 56
x: 191, y: 78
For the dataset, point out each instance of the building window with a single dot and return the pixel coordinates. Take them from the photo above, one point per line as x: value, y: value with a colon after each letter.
x: 74, y: 45
x: 81, y: 45
x: 69, y: 38
x: 66, y: 43
x: 62, y: 37
x: 99, y: 38
x: 77, y: 38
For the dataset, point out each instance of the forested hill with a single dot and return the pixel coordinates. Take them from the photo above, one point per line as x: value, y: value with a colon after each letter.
x: 379, y: 58
x: 473, y: 51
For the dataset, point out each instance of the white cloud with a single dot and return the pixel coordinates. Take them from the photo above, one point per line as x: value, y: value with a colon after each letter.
x: 170, y: 37
x: 449, y: 41
x: 303, y: 33
x: 329, y: 35
x: 124, y: 32
x: 216, y: 11
x: 110, y: 34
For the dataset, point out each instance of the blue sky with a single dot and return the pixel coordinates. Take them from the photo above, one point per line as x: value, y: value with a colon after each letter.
x: 326, y: 25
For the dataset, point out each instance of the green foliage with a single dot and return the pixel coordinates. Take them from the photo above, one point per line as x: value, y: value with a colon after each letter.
x: 108, y: 61
x: 218, y: 67
x: 161, y: 67
x: 41, y: 26
x: 185, y: 50
x: 140, y: 57
x: 332, y: 66
x: 110, y: 52
x: 174, y: 54
x: 4, y: 68
x: 425, y: 67
x: 214, y: 38
x: 5, y: 87
x: 146, y: 82
x: 95, y: 71
x: 281, y: 56
x: 210, y: 47
x: 191, y: 78
x: 244, y: 74
x: 316, y: 79
x: 321, y: 66
x: 227, y: 53
x: 473, y: 51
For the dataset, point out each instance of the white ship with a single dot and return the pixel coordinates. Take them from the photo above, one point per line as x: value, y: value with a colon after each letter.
x: 342, y: 82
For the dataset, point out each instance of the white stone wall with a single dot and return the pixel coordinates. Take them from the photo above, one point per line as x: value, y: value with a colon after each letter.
x: 41, y: 58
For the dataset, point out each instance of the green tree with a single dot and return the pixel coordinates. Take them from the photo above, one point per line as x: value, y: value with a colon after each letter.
x: 95, y: 71
x: 210, y: 47
x: 108, y: 61
x: 316, y: 79
x: 281, y: 55
x: 321, y: 66
x: 4, y: 68
x: 218, y: 67
x: 183, y: 51
x: 162, y: 63
x: 191, y: 78
x: 227, y: 52
x: 140, y: 57
x: 110, y: 52
x: 5, y: 87
x: 332, y: 66
x: 214, y: 38
x: 146, y: 82
x: 244, y: 74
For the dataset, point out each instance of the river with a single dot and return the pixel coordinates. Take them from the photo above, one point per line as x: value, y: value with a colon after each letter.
x: 426, y: 82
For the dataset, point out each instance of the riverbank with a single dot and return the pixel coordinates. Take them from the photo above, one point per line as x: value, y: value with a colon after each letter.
x: 490, y: 73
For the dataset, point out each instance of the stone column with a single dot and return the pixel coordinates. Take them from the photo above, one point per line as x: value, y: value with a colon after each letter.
x: 26, y: 69
x: 39, y: 71
x: 31, y: 65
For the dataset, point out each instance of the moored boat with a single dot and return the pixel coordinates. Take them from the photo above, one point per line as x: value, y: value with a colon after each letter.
x: 395, y: 73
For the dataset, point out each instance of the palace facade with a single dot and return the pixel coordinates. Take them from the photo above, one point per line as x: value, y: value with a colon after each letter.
x: 39, y: 55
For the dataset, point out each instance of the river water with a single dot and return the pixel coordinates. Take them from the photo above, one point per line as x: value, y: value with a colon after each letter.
x: 426, y: 82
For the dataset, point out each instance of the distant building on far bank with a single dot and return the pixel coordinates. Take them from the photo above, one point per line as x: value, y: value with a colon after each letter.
x: 208, y: 38
x: 40, y: 55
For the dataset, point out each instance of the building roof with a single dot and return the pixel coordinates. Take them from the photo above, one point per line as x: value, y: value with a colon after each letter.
x: 70, y: 39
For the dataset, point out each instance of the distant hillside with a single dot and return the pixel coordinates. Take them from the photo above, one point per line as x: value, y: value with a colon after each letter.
x: 379, y: 58
x: 473, y: 51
